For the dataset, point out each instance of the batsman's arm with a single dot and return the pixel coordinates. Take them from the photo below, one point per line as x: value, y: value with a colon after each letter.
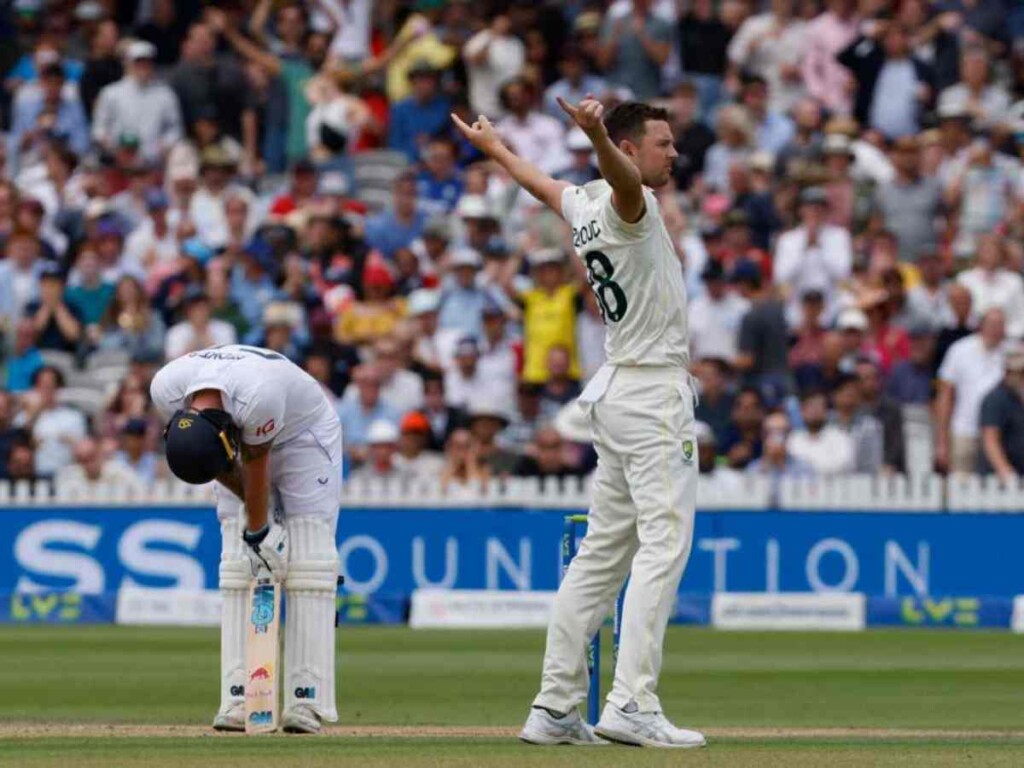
x: 531, y: 178
x: 256, y: 483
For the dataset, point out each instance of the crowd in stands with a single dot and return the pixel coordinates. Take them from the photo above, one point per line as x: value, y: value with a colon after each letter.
x: 846, y: 207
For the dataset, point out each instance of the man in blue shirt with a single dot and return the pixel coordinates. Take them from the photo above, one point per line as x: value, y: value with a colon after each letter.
x: 398, y: 226
x: 439, y: 184
x: 424, y: 114
x: 357, y: 414
x: 574, y: 86
x: 46, y: 113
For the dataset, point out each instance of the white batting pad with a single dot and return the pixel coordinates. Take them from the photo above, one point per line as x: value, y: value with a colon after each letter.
x: 235, y: 575
x: 310, y: 588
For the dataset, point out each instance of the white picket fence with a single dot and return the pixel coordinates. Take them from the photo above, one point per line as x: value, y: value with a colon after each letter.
x: 862, y: 493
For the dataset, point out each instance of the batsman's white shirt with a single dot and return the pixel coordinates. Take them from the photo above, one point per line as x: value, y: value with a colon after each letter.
x: 269, y: 398
x: 640, y: 407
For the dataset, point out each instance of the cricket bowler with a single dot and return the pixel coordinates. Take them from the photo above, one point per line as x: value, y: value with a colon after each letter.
x: 640, y: 407
x: 262, y: 428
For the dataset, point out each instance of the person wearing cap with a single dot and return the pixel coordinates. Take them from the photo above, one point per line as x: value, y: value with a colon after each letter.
x: 382, y: 449
x: 462, y: 295
x: 971, y: 368
x: 464, y: 382
x: 1002, y: 420
x: 499, y: 352
x: 403, y: 222
x: 813, y: 254
x: 58, y: 323
x: 154, y: 241
x: 197, y: 329
x: 217, y: 170
x: 415, y: 458
x: 550, y: 309
x: 486, y: 417
x: 423, y: 308
x: 911, y: 203
x: 492, y: 56
x: 42, y: 114
x: 911, y: 381
x: 414, y: 120
x: 376, y: 314
x: 581, y: 169
x: 263, y: 429
x: 640, y: 405
x: 479, y: 220
x: 140, y: 104
x: 715, y: 316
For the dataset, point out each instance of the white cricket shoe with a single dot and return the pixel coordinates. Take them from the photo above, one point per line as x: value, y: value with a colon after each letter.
x: 300, y: 719
x: 543, y: 728
x: 644, y: 729
x: 230, y: 719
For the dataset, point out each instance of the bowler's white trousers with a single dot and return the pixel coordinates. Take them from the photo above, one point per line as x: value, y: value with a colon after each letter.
x: 640, y: 524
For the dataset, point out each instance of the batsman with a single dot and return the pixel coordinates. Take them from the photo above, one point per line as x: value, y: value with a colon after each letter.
x: 262, y: 428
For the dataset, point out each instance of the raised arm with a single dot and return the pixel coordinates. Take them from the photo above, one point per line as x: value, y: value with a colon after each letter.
x: 618, y: 170
x: 482, y: 135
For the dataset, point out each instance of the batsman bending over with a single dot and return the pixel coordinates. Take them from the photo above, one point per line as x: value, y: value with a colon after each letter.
x: 640, y: 406
x: 259, y: 425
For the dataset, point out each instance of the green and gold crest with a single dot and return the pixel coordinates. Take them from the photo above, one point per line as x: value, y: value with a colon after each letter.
x: 688, y: 450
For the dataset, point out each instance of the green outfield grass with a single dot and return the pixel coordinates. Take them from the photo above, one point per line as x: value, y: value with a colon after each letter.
x: 952, y: 682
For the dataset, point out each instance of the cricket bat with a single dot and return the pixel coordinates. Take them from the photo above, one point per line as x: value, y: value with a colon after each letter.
x: 262, y: 644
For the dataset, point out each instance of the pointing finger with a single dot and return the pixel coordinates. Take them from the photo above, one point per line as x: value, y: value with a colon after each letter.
x: 566, y: 107
x: 459, y: 124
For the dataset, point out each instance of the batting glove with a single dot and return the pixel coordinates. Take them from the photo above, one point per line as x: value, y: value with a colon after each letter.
x: 267, y: 550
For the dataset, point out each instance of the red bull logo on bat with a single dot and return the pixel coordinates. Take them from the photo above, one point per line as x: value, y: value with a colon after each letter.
x: 261, y: 673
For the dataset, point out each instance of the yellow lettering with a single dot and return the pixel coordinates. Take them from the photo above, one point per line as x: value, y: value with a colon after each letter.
x: 938, y: 611
x: 43, y: 605
x: 19, y: 611
x: 71, y: 610
x: 910, y: 613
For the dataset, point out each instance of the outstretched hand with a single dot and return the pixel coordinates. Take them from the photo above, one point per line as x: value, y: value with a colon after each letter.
x: 587, y: 115
x: 481, y: 134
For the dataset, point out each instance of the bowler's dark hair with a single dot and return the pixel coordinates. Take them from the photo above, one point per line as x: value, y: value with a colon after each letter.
x: 629, y: 119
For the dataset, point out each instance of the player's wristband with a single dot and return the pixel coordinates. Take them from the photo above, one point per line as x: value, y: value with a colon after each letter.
x: 254, y: 538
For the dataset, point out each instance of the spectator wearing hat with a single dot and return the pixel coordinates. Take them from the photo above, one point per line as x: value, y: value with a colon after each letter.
x: 197, y: 330
x: 493, y: 56
x: 207, y: 210
x: 533, y: 135
x: 462, y: 295
x: 813, y: 254
x: 431, y: 346
x: 693, y: 138
x: 281, y: 330
x: 993, y: 285
x: 478, y: 219
x: 57, y: 323
x: 499, y: 352
x: 486, y: 418
x: 425, y: 113
x: 734, y: 142
x: 581, y: 169
x: 44, y: 115
x: 886, y: 342
x: 103, y: 66
x: 1002, y: 420
x: 911, y: 203
x: 140, y: 105
x: 402, y: 223
x: 971, y: 368
x: 910, y: 382
x: 763, y: 339
x: 715, y: 316
x: 357, y: 414
x: 439, y: 184
x: 143, y: 464
x: 381, y: 453
x: 770, y: 45
x: 376, y: 314
x: 415, y: 458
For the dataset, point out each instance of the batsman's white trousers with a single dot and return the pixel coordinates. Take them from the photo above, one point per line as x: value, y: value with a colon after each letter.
x: 308, y: 508
x: 640, y: 524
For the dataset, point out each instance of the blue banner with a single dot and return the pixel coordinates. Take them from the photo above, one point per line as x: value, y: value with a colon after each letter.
x: 941, y: 612
x: 388, y: 553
